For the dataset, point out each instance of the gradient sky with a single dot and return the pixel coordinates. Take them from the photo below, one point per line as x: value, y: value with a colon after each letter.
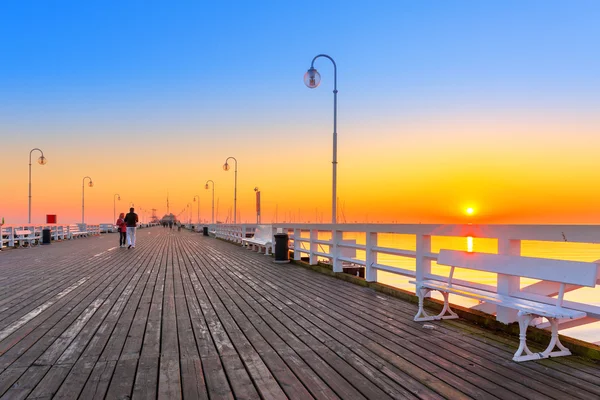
x: 443, y: 105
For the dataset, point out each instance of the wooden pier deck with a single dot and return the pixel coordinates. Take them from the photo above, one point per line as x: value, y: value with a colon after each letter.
x: 187, y: 316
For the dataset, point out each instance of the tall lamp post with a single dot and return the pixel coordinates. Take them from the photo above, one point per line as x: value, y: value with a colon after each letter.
x: 42, y: 161
x: 115, y: 198
x: 257, y: 190
x: 189, y: 213
x: 90, y: 184
x: 198, y: 218
x: 312, y: 79
x: 226, y: 168
x: 213, y: 198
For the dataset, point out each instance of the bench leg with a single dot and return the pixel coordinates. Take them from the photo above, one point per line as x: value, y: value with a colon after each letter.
x: 422, y: 314
x: 555, y: 342
x: 524, y: 320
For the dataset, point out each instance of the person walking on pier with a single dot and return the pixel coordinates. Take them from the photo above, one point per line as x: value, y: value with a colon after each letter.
x: 131, y: 219
x: 122, y: 226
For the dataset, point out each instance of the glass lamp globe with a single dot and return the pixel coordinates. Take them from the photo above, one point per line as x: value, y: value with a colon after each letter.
x: 226, y: 167
x: 206, y: 186
x: 91, y: 184
x: 42, y: 160
x: 119, y: 198
x: 312, y: 78
x: 194, y: 199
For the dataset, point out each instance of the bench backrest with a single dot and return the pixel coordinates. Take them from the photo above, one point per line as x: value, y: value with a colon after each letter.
x: 264, y: 232
x: 563, y: 271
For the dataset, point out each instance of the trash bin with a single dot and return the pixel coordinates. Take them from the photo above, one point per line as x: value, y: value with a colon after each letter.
x: 205, y: 230
x: 282, y: 251
x: 46, y: 236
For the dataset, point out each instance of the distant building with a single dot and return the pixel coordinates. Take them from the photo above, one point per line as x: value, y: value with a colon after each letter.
x: 168, y: 218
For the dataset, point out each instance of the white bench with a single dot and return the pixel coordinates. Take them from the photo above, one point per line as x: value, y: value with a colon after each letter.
x: 560, y: 271
x: 263, y: 237
x: 25, y: 236
x: 6, y: 237
x: 75, y: 232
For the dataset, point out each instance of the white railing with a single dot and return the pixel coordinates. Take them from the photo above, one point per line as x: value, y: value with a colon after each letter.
x: 10, y: 238
x: 373, y: 250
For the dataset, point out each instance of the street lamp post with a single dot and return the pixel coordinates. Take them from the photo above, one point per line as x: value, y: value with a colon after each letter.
x: 257, y: 190
x: 90, y: 184
x: 115, y: 198
x: 42, y: 161
x: 189, y: 212
x: 226, y: 168
x: 213, y: 198
x: 312, y: 79
x: 198, y: 218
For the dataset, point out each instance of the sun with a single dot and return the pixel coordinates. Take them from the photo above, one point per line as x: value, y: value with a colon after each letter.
x: 470, y: 211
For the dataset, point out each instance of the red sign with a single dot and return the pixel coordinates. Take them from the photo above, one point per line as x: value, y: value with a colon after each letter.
x: 50, y: 218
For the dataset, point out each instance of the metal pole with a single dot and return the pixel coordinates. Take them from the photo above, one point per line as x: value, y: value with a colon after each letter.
x: 115, y: 206
x: 234, y: 190
x: 213, y: 198
x: 32, y: 150
x: 334, y: 162
x: 235, y: 196
x: 198, y: 217
x: 83, y: 198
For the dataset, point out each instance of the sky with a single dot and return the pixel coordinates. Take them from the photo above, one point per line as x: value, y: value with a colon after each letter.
x: 442, y: 105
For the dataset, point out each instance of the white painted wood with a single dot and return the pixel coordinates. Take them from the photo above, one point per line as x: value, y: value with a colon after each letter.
x: 371, y: 257
x: 263, y: 238
x: 508, y: 283
x: 573, y: 272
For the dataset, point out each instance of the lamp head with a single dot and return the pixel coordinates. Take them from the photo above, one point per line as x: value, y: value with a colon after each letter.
x: 312, y: 78
x: 256, y: 189
x: 91, y: 184
x: 206, y: 186
x: 194, y: 199
x: 118, y: 197
x: 42, y: 160
x: 226, y: 167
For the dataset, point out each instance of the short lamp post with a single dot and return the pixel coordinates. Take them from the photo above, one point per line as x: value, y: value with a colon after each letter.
x: 90, y: 184
x: 257, y: 190
x: 115, y: 198
x: 312, y: 79
x: 226, y: 168
x: 213, y: 198
x: 198, y: 217
x: 42, y: 161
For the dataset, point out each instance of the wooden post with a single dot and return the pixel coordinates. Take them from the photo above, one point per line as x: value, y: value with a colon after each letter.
x: 371, y: 257
x: 508, y: 283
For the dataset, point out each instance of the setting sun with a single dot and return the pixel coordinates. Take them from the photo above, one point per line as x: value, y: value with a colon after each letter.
x: 470, y: 211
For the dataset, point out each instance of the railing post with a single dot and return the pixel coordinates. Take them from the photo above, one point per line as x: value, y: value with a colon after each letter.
x: 508, y: 283
x: 314, y: 247
x: 335, y: 250
x: 297, y: 244
x: 371, y: 257
x: 423, y: 264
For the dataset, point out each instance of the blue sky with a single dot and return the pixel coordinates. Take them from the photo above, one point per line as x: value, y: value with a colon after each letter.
x: 393, y: 53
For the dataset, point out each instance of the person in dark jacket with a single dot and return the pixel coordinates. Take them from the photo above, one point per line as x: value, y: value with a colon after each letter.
x: 122, y: 226
x: 131, y: 220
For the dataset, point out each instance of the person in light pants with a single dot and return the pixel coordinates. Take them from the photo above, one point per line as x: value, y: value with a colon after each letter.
x: 131, y: 219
